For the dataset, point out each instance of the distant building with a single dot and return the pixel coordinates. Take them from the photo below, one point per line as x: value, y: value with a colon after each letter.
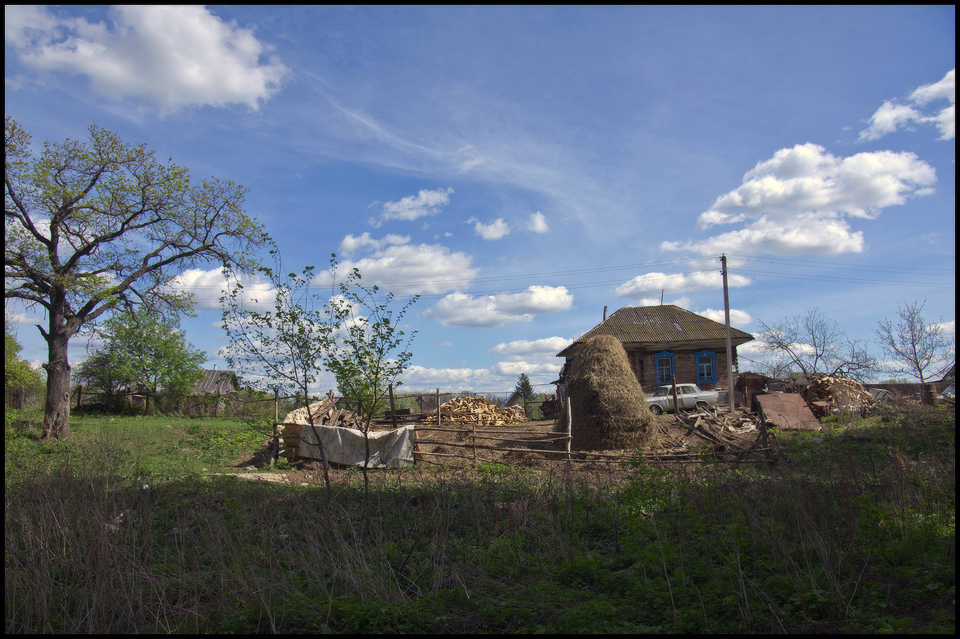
x: 217, y: 382
x: 667, y: 342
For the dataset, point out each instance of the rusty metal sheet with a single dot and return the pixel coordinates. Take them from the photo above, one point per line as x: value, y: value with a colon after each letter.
x: 787, y: 411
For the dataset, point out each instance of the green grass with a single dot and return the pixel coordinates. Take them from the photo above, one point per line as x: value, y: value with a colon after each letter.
x: 154, y: 446
x: 842, y: 534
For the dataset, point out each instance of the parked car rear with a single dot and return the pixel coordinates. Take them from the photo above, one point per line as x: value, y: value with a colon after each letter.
x: 689, y: 396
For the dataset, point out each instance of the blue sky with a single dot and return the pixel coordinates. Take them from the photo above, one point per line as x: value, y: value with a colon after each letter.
x: 521, y: 168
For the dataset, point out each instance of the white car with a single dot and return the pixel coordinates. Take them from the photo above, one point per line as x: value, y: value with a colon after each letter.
x: 688, y: 395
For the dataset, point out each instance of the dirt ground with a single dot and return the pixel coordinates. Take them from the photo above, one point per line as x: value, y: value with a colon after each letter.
x: 453, y: 451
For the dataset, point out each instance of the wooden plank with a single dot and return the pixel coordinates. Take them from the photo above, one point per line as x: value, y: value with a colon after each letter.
x: 487, y: 431
x: 522, y: 450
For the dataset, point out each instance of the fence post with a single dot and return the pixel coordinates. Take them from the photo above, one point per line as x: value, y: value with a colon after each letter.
x: 438, y: 408
x: 79, y: 394
x: 393, y: 408
x: 416, y: 446
x: 676, y: 404
x: 569, y: 426
x: 474, y: 437
x: 275, y: 448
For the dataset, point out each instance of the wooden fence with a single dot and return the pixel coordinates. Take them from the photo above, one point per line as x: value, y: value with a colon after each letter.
x: 18, y: 398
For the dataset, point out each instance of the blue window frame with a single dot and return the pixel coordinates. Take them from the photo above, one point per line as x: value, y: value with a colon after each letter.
x: 706, y: 367
x: 665, y: 368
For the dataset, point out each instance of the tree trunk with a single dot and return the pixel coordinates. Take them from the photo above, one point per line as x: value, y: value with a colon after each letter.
x: 56, y: 420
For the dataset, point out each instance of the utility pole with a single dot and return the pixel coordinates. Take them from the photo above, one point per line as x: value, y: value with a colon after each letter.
x: 726, y: 315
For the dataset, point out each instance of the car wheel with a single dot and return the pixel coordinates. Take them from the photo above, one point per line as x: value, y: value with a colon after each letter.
x: 703, y: 405
x: 656, y: 409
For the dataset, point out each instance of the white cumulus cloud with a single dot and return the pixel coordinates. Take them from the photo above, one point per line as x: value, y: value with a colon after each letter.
x: 496, y: 230
x: 412, y: 207
x: 950, y: 328
x: 418, y: 377
x: 351, y: 243
x: 206, y: 286
x: 171, y: 56
x: 550, y: 345
x: 513, y: 369
x: 738, y: 318
x: 682, y: 302
x: 649, y: 283
x: 797, y: 201
x: 893, y: 115
x: 409, y: 269
x: 460, y: 309
x: 538, y: 223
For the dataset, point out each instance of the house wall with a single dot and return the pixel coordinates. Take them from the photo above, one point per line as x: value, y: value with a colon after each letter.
x: 685, y: 366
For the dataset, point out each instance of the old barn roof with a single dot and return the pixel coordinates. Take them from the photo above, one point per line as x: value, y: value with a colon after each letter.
x: 662, y: 327
x: 215, y: 381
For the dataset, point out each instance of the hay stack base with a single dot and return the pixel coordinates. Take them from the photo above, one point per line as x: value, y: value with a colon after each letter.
x: 607, y: 402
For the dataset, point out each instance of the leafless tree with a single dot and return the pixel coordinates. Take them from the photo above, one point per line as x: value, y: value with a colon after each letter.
x: 813, y: 344
x: 915, y: 346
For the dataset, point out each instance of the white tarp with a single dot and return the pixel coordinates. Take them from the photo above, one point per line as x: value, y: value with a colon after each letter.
x: 388, y: 449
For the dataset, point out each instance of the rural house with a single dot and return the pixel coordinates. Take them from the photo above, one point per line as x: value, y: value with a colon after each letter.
x: 217, y: 382
x: 667, y: 342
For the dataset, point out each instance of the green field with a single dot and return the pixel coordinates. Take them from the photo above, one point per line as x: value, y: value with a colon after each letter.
x: 120, y: 529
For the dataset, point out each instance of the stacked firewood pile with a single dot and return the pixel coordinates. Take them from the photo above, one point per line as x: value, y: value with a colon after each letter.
x: 324, y: 413
x: 478, y: 410
x: 518, y: 412
x: 839, y: 393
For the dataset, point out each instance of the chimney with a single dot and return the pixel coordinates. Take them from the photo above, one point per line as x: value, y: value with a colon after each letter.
x: 604, y: 313
x: 214, y: 367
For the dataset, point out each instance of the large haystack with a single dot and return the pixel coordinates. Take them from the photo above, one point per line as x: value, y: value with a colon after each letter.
x: 607, y: 402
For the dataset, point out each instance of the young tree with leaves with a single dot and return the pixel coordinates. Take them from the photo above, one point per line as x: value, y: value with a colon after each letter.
x: 17, y: 373
x: 915, y: 346
x: 145, y: 350
x: 280, y: 344
x: 92, y: 226
x: 371, y: 350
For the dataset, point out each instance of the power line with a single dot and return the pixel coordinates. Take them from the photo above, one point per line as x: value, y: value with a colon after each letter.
x: 835, y: 265
x: 504, y: 278
x: 845, y: 279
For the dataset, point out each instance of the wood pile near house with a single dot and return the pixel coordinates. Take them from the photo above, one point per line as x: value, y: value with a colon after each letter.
x: 324, y: 413
x: 518, y: 412
x: 479, y: 410
x: 839, y: 393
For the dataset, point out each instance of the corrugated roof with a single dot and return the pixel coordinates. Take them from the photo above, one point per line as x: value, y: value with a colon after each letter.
x: 661, y: 325
x: 215, y: 381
